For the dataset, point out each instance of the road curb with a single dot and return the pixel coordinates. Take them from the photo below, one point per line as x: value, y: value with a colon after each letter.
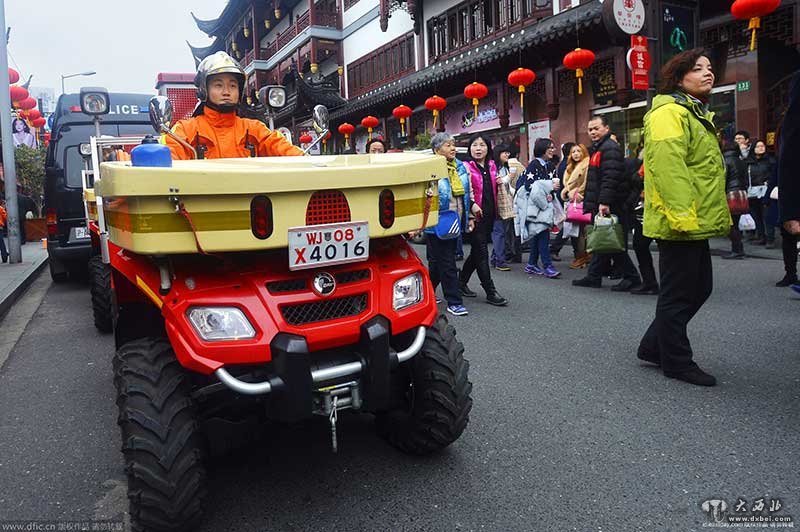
x: 8, y: 299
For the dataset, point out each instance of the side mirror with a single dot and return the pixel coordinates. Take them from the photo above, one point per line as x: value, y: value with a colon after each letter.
x: 160, y: 108
x: 319, y: 119
x: 160, y: 113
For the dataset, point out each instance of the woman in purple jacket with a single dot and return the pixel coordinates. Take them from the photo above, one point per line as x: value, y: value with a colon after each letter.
x: 483, y: 175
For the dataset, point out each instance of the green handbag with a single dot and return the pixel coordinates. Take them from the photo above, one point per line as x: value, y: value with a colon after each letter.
x: 605, y: 235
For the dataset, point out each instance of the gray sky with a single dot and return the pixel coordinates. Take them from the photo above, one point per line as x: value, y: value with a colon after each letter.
x: 126, y: 42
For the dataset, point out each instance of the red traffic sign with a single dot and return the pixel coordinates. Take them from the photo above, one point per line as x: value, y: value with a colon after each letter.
x: 639, y: 62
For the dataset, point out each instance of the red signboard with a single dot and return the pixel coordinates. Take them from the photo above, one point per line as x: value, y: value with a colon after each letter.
x: 639, y: 63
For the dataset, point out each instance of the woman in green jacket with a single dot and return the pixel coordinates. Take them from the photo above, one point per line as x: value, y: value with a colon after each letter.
x: 685, y: 205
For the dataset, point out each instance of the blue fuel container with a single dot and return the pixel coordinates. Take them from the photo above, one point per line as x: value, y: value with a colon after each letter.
x: 151, y: 153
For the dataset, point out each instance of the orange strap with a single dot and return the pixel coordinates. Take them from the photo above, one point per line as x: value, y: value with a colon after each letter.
x: 182, y: 210
x: 426, y: 212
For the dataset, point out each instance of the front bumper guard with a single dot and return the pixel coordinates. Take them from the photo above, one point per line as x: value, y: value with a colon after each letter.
x: 295, y: 378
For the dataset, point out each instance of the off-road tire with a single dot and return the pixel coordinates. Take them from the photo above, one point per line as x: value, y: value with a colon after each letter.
x: 57, y: 277
x: 100, y: 288
x: 436, y: 388
x: 161, y: 441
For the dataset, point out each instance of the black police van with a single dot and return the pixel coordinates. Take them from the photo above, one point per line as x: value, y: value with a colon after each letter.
x: 68, y: 242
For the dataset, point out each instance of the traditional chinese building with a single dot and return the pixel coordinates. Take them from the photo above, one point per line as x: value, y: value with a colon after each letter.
x: 363, y: 57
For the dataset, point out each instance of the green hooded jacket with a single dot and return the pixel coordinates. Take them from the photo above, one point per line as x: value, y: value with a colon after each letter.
x: 684, y: 172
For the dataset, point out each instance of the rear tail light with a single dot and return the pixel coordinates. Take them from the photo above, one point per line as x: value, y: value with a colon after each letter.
x: 386, y: 208
x: 52, y: 223
x: 75, y: 108
x: 261, y: 217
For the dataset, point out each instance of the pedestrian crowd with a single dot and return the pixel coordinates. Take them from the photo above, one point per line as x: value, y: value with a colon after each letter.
x: 679, y: 189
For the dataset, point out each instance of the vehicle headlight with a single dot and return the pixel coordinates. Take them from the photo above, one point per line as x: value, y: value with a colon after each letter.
x: 277, y: 97
x: 407, y: 291
x: 86, y: 148
x: 220, y: 323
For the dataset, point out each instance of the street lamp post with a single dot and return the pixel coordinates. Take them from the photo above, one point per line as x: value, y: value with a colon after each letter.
x: 63, y: 77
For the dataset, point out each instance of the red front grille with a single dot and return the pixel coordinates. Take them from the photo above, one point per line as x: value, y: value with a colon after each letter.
x: 327, y: 207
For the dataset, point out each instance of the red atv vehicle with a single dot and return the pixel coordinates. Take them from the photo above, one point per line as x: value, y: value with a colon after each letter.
x: 269, y: 289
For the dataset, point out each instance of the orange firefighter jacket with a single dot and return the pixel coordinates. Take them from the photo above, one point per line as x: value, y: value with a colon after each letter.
x: 226, y: 135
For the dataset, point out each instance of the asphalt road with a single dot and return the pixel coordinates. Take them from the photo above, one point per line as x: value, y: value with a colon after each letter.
x: 568, y: 431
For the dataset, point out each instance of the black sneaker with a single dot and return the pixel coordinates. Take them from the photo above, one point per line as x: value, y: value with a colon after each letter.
x: 493, y: 298
x: 645, y: 290
x: 786, y: 281
x: 587, y: 282
x: 695, y: 376
x: 624, y: 286
x: 466, y: 292
x: 641, y: 355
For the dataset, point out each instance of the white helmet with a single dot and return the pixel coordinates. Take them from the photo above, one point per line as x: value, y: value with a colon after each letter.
x: 218, y: 63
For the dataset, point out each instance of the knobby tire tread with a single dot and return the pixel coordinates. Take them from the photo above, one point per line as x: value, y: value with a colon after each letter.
x: 161, y: 442
x: 442, y: 401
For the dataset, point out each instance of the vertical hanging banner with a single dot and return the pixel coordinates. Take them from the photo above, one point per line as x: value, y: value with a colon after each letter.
x: 639, y: 63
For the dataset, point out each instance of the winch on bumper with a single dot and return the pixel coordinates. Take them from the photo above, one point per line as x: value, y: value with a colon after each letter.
x: 295, y: 381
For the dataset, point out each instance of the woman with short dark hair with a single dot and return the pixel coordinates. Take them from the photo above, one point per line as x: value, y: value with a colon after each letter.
x: 684, y: 206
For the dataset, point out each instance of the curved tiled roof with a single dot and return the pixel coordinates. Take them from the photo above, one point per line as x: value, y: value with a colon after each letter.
x: 582, y: 18
x: 201, y: 52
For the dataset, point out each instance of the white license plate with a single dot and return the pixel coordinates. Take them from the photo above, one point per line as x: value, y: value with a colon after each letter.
x: 80, y: 232
x: 313, y: 246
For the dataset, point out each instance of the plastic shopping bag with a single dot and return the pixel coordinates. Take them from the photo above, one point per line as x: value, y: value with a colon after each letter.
x: 747, y: 223
x: 572, y: 230
x: 605, y: 235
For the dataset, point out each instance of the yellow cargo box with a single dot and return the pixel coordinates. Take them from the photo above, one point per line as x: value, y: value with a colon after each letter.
x: 139, y: 202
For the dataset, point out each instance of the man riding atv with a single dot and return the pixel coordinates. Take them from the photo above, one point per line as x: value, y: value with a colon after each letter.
x: 215, y: 130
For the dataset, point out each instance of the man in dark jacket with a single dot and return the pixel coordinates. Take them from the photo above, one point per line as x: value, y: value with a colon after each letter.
x: 607, y: 190
x: 735, y: 183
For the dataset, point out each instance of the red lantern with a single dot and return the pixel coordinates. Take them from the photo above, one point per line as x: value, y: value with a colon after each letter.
x: 370, y: 122
x: 401, y: 112
x: 521, y: 78
x: 579, y: 60
x: 305, y: 138
x: 27, y: 104
x: 753, y: 10
x: 17, y: 93
x: 13, y: 76
x: 325, y: 140
x: 346, y: 129
x: 435, y: 104
x: 476, y: 91
x: 22, y: 114
x: 33, y: 114
x: 39, y: 122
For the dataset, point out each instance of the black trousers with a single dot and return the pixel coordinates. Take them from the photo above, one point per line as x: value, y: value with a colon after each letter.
x: 757, y: 212
x: 513, y: 247
x: 686, y: 283
x: 442, y: 267
x: 736, y: 235
x: 641, y: 246
x: 478, y: 259
x: 789, y: 252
